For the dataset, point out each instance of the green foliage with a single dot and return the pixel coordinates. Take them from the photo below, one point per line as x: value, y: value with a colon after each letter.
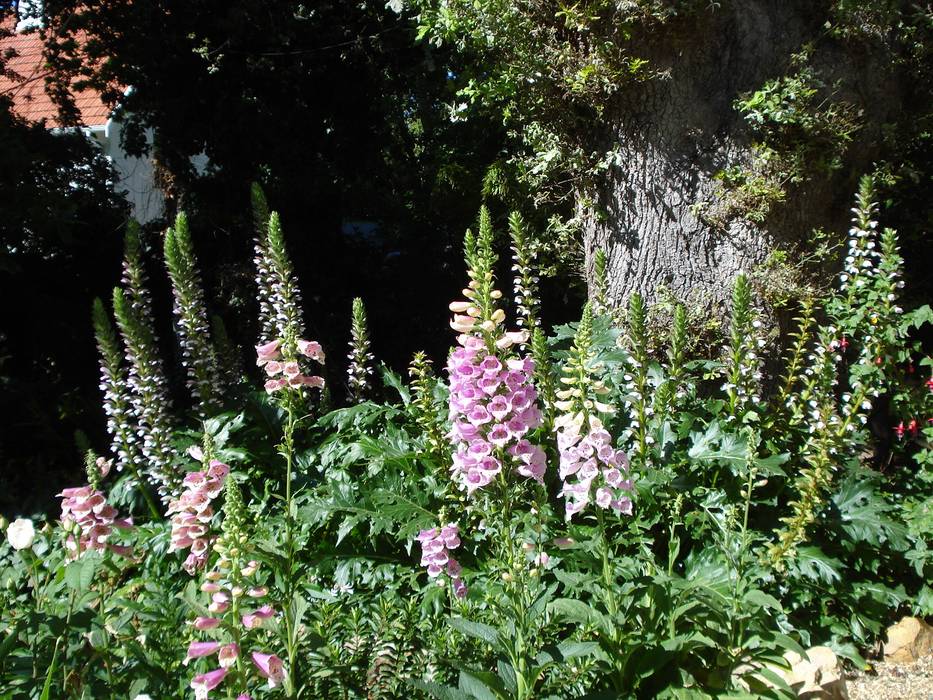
x: 549, y: 72
x: 793, y: 112
x: 92, y: 627
x: 802, y: 131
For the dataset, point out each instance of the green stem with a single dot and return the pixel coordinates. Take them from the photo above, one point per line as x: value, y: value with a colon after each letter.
x: 289, y: 525
x: 739, y: 569
x: 288, y: 444
x: 516, y: 591
x: 237, y: 638
x: 153, y: 509
x: 31, y: 559
x: 71, y: 603
x: 608, y: 581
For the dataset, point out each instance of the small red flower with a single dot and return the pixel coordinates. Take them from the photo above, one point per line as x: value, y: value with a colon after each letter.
x: 929, y: 383
x: 843, y: 342
x: 900, y: 430
x: 878, y: 361
x: 913, y: 427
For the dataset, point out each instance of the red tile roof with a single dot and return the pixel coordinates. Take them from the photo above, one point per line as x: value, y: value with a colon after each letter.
x: 30, y: 100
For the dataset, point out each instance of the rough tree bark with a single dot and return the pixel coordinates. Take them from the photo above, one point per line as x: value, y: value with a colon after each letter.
x: 677, y: 131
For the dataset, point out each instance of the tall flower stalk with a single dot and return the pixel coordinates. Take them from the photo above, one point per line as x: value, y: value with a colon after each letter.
x: 283, y: 363
x: 493, y: 411
x: 525, y: 280
x: 743, y: 365
x: 285, y: 297
x: 672, y: 391
x: 135, y: 283
x: 118, y: 402
x: 541, y: 355
x: 591, y: 469
x: 236, y: 614
x: 870, y: 281
x: 636, y: 379
x: 600, y: 302
x: 794, y: 361
x: 191, y: 320
x: 285, y: 360
x: 268, y: 329
x: 361, y: 359
x: 149, y: 389
x: 493, y: 400
x: 423, y: 382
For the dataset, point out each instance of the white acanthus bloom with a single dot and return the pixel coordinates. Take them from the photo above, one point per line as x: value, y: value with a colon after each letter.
x: 21, y: 533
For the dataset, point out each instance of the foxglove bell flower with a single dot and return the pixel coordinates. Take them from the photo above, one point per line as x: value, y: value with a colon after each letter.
x: 228, y: 654
x: 436, y: 545
x: 91, y: 521
x: 283, y: 364
x: 590, y: 468
x: 206, y: 682
x: 270, y: 667
x: 255, y: 618
x: 493, y: 406
x: 191, y: 513
x: 197, y: 650
x: 227, y: 583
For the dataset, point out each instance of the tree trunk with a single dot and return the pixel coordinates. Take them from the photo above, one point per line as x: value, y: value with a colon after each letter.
x: 674, y: 133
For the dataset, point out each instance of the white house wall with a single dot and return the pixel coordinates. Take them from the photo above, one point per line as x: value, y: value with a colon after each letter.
x: 135, y: 176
